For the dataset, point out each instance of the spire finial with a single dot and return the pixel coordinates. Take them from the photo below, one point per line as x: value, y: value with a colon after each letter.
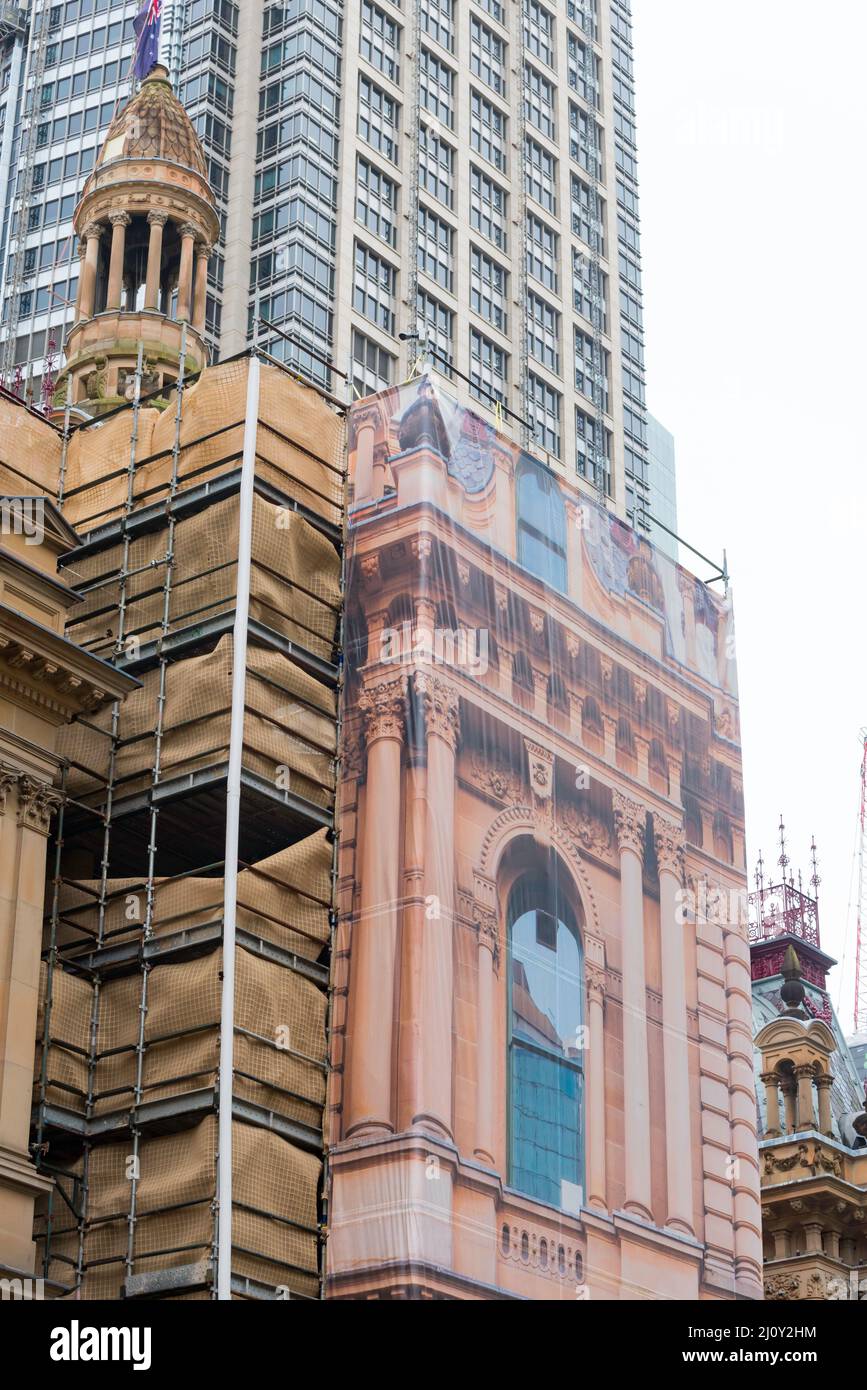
x: 815, y: 880
x: 783, y: 860
x: 793, y: 991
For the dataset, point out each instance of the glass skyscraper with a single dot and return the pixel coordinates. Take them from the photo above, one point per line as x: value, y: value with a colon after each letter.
x: 459, y: 172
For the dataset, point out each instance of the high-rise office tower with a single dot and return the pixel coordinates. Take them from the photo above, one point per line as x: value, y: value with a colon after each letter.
x: 464, y: 170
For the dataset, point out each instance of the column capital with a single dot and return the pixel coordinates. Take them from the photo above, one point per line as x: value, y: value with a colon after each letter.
x: 119, y: 218
x: 157, y: 218
x: 441, y: 706
x: 188, y: 230
x: 805, y: 1071
x: 203, y: 249
x: 93, y: 231
x: 36, y: 803
x: 629, y: 823
x: 485, y: 923
x: 824, y: 1081
x: 383, y: 709
x: 669, y: 840
x: 82, y: 248
x: 597, y: 983
x: 9, y: 777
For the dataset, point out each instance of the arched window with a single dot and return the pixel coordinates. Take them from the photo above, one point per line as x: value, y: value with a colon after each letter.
x: 541, y: 524
x: 545, y: 1051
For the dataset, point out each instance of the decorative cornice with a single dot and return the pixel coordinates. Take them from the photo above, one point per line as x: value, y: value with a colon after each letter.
x: 629, y: 823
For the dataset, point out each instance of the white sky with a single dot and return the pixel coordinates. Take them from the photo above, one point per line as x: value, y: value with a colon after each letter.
x: 751, y: 130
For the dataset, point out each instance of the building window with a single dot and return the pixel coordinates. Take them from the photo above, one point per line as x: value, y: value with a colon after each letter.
x: 541, y: 524
x: 539, y: 98
x: 542, y: 252
x: 380, y: 40
x: 543, y: 332
x: 487, y: 130
x: 438, y: 20
x: 372, y: 366
x: 436, y: 166
x: 545, y: 1057
x: 376, y: 201
x: 437, y: 86
x: 487, y: 55
x: 437, y: 325
x: 539, y: 32
x: 374, y: 288
x: 488, y: 289
x: 488, y: 370
x: 583, y: 66
x: 589, y: 285
x: 591, y: 461
x: 435, y: 248
x: 544, y: 414
x: 378, y: 119
x: 587, y: 219
x: 540, y: 175
x: 591, y: 369
x: 488, y: 208
x: 585, y: 141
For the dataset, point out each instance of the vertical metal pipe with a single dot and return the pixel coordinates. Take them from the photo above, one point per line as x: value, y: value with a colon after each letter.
x: 233, y: 809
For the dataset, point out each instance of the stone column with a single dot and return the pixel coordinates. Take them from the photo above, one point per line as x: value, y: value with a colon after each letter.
x: 771, y: 1082
x: 119, y: 223
x: 156, y: 221
x: 203, y: 253
x: 668, y: 838
x: 440, y: 709
x: 26, y: 804
x: 596, y: 1185
x: 823, y: 1086
x: 411, y: 1041
x: 369, y: 1043
x: 365, y: 423
x: 82, y: 254
x: 806, y: 1117
x: 485, y: 922
x: 87, y: 286
x: 789, y: 1101
x: 629, y: 822
x: 185, y: 275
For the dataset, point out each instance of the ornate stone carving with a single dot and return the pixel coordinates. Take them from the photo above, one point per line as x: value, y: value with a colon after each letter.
x: 498, y: 780
x: 463, y: 572
x: 371, y: 572
x: 596, y: 982
x: 629, y: 823
x: 119, y: 219
x: 782, y: 1286
x: 606, y: 666
x: 157, y: 218
x: 640, y: 688
x: 383, y: 708
x: 440, y: 705
x: 93, y: 231
x: 485, y: 923
x: 668, y: 837
x: 422, y: 547
x: 189, y: 230
x: 541, y: 770
x: 8, y: 778
x: 573, y: 645
x: 537, y: 621
x: 587, y: 832
x: 36, y: 803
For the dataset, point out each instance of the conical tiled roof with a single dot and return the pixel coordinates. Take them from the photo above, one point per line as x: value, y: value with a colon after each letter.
x: 154, y: 125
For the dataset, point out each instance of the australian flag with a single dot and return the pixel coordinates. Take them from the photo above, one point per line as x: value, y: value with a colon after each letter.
x: 147, y: 37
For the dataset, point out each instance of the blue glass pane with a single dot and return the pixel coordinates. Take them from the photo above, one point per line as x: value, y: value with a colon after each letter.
x: 546, y: 1119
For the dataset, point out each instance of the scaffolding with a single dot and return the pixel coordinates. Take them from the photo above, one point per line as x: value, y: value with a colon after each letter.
x: 181, y: 1069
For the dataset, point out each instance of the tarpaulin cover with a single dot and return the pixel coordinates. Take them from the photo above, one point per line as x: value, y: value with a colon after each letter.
x: 533, y: 691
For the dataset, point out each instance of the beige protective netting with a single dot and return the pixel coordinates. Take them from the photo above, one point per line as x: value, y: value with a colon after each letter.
x: 294, y: 579
x: 289, y: 727
x: 283, y: 899
x: 291, y: 416
x: 279, y: 1046
x: 30, y: 452
x: 175, y: 1215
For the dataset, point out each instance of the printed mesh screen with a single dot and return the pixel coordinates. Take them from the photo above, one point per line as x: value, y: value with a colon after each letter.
x: 540, y: 762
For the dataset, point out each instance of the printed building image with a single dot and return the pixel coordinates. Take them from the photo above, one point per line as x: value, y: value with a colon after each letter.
x: 543, y: 1079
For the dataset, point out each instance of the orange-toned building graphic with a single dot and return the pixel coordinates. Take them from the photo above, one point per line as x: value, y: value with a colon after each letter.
x: 543, y: 1073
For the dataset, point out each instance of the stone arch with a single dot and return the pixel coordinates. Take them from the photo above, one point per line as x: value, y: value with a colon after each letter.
x: 521, y: 820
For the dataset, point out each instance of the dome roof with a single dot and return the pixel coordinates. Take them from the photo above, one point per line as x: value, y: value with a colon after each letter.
x: 154, y: 125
